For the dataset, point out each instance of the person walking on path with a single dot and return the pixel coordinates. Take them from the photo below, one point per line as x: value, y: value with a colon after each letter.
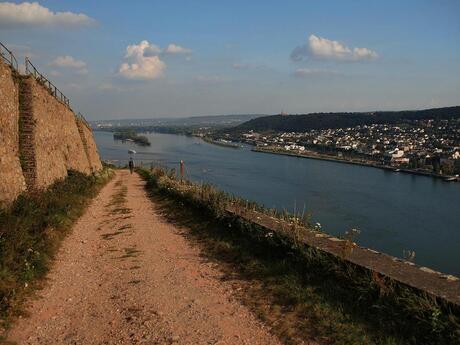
x: 131, y: 165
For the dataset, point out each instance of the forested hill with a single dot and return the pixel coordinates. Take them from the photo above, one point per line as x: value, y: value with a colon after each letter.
x: 301, y: 123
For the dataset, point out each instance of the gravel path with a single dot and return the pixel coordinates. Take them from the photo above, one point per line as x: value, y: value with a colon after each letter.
x: 125, y: 276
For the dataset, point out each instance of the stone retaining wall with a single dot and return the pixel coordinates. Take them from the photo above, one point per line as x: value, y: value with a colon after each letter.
x: 12, y: 181
x: 90, y: 146
x: 57, y: 142
x: 41, y: 139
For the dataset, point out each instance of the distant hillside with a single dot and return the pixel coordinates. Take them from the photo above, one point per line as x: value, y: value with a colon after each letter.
x: 302, y: 123
x: 209, y: 120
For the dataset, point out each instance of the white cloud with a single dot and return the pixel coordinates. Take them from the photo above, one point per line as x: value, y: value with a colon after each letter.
x: 142, y: 62
x: 144, y: 48
x: 310, y: 72
x: 323, y: 48
x: 173, y: 49
x: 32, y: 13
x: 364, y: 53
x: 70, y: 62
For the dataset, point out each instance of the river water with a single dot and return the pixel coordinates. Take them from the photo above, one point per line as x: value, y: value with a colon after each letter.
x: 393, y: 211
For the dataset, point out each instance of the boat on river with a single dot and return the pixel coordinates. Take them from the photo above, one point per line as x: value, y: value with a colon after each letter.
x: 452, y: 178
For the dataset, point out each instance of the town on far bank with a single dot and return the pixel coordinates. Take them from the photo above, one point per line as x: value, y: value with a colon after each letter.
x: 428, y: 146
x: 425, y: 146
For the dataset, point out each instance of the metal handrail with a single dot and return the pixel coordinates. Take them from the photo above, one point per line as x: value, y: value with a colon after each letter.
x: 83, y: 119
x: 8, y: 56
x: 32, y: 70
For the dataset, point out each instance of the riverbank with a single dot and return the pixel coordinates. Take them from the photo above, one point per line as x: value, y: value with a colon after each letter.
x: 314, y: 155
x: 309, y: 276
x: 221, y: 143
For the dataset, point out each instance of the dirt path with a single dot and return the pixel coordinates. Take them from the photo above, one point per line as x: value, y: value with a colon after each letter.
x: 124, y: 276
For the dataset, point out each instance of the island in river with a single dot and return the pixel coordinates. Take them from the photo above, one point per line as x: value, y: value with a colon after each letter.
x: 131, y: 135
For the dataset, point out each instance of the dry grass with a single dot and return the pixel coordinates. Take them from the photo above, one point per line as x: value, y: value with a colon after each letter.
x: 301, y: 292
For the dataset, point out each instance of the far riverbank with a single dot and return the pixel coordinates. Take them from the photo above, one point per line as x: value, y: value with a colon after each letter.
x: 314, y: 155
x: 221, y: 143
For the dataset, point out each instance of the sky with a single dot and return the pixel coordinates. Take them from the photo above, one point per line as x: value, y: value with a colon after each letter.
x: 151, y: 59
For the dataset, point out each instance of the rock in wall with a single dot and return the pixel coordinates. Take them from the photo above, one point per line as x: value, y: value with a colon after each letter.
x: 55, y: 145
x: 12, y: 181
x: 90, y: 146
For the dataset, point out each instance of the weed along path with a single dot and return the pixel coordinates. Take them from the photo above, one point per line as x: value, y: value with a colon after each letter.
x: 126, y: 276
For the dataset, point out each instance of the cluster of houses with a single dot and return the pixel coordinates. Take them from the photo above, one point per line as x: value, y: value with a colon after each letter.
x: 422, y: 144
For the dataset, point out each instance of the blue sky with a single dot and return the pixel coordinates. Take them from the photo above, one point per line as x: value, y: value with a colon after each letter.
x: 119, y: 59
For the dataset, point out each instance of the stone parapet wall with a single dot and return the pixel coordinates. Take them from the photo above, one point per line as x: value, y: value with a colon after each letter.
x: 443, y: 286
x: 12, y: 181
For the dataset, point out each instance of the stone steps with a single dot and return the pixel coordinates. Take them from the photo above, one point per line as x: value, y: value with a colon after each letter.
x: 85, y: 144
x: 27, y: 133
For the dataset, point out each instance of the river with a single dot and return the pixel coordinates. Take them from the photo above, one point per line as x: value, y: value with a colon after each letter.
x: 393, y: 211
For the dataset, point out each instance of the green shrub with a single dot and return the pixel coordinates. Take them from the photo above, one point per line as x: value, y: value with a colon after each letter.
x: 31, y: 230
